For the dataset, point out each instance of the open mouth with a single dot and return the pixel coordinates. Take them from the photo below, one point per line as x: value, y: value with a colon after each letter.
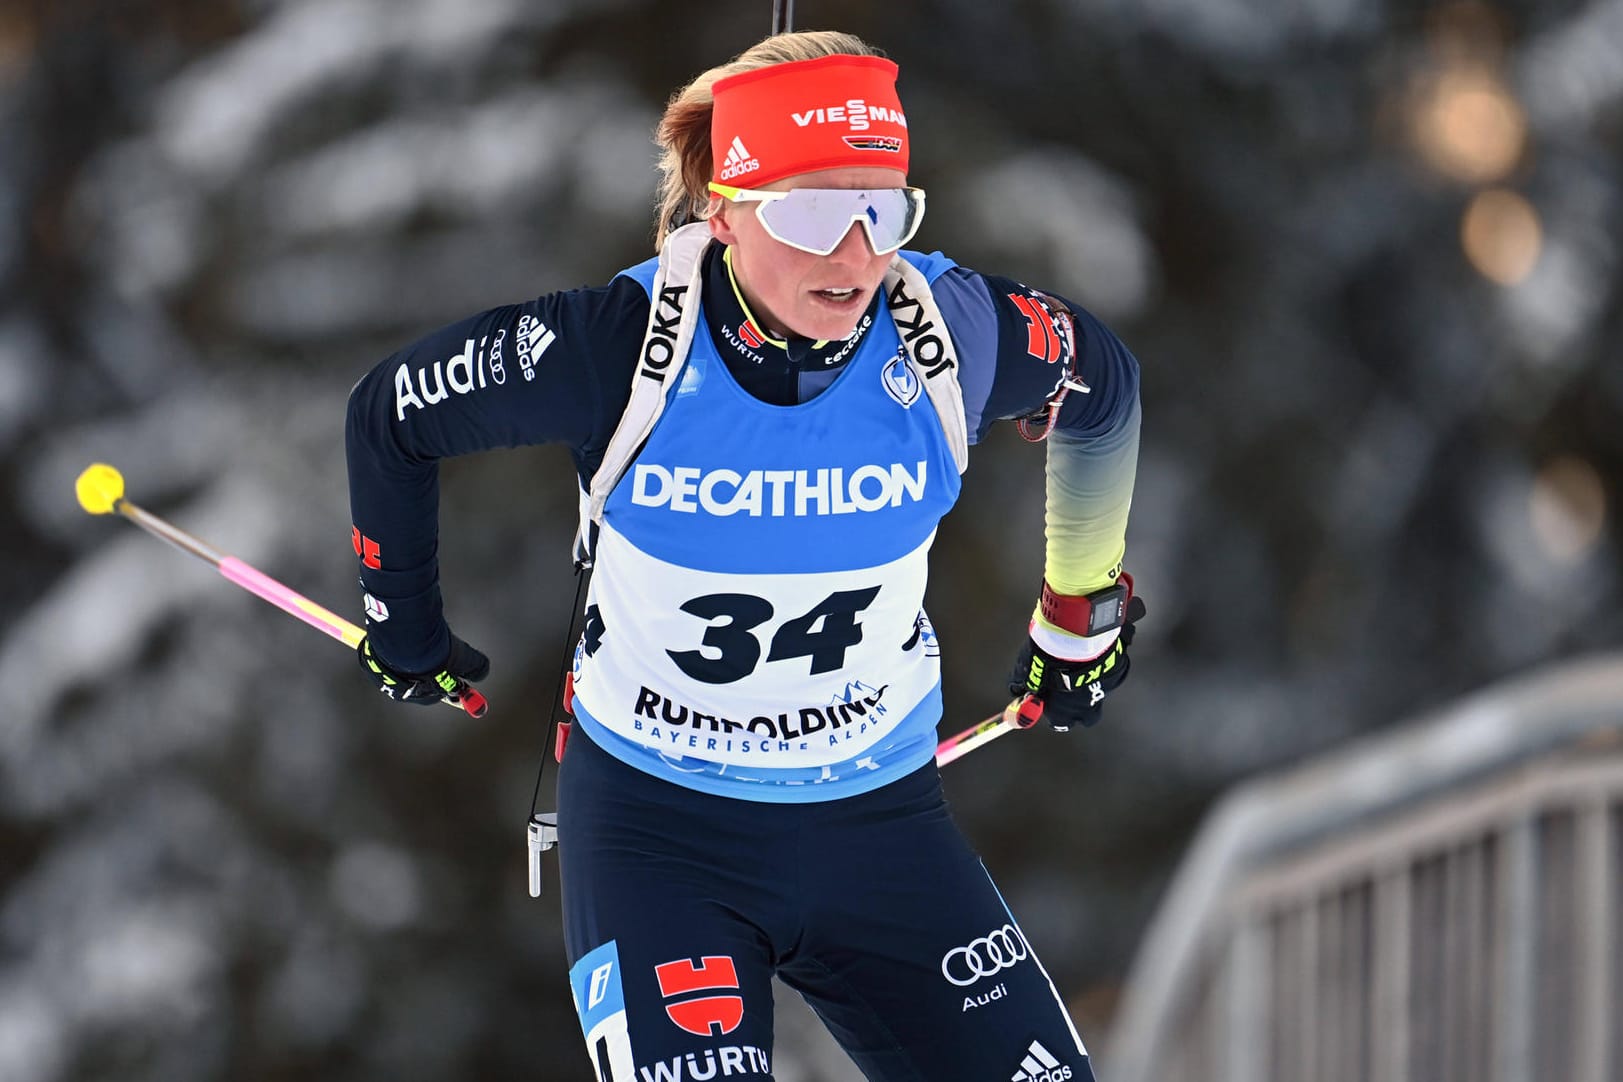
x: 837, y: 295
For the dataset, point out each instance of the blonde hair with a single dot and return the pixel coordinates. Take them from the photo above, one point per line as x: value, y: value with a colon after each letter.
x: 683, y: 135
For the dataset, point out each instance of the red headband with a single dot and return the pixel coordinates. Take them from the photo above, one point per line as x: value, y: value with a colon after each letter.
x: 807, y: 115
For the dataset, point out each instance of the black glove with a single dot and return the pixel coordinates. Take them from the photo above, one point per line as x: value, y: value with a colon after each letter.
x: 449, y: 682
x: 1073, y: 692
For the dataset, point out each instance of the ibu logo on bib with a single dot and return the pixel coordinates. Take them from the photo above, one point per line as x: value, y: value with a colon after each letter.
x: 900, y: 381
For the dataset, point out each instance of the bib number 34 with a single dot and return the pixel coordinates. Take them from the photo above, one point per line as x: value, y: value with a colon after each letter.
x: 732, y: 650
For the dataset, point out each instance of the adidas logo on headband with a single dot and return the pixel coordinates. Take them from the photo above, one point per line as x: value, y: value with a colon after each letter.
x: 738, y: 160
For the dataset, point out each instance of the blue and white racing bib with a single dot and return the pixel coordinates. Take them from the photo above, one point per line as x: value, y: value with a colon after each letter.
x: 755, y: 626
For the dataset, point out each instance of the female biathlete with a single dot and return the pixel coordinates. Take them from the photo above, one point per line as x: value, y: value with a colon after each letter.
x: 768, y: 421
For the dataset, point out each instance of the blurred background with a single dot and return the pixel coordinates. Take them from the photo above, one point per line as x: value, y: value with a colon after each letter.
x: 1365, y: 250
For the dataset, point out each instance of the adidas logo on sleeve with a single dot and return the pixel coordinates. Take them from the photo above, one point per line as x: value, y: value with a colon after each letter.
x: 1040, y: 1065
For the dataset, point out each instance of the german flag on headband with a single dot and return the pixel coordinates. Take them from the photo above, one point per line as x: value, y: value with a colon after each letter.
x: 807, y: 115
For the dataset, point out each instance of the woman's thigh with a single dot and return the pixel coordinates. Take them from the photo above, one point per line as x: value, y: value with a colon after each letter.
x: 665, y: 926
x: 914, y: 961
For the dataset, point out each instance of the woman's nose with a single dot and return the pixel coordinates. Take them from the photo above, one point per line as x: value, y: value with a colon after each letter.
x: 853, y: 248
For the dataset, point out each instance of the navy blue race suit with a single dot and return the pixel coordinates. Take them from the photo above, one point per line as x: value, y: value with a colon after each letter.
x: 682, y: 900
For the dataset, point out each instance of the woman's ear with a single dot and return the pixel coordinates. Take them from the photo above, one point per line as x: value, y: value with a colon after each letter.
x: 719, y: 217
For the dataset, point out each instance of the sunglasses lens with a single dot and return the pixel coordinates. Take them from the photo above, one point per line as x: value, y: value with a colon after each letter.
x: 816, y: 219
x: 892, y: 217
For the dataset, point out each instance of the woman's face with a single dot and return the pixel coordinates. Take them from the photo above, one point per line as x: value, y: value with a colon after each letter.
x: 814, y: 296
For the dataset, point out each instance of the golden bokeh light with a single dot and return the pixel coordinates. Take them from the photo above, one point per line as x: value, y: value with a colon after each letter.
x: 1468, y: 126
x: 1567, y: 506
x: 1502, y: 235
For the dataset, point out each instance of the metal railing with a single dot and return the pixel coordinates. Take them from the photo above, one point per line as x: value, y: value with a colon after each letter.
x: 1440, y: 903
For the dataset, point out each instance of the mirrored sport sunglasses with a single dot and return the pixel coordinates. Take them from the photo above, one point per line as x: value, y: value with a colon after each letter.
x: 815, y: 220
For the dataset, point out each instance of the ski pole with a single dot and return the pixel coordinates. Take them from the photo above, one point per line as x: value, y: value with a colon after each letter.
x: 1022, y: 713
x: 100, y: 489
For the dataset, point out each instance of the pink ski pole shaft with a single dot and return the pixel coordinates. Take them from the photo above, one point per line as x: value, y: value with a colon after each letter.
x: 101, y: 491
x: 1022, y: 713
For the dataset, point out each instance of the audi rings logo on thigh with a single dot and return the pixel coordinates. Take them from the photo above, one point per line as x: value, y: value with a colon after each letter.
x: 992, y: 953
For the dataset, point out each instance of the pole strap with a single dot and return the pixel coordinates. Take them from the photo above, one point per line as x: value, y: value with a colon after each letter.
x: 582, y: 573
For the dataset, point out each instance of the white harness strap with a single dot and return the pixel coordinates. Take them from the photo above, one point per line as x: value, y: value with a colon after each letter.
x: 930, y: 351
x: 674, y: 315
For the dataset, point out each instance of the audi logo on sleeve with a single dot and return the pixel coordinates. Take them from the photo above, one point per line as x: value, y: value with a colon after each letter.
x: 991, y: 953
